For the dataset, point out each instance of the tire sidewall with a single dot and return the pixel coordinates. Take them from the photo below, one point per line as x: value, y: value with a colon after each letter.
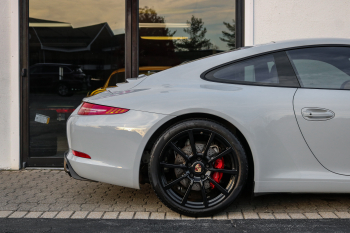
x: 175, y: 130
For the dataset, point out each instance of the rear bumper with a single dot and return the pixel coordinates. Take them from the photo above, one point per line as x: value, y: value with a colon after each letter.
x: 115, y: 144
x: 69, y: 169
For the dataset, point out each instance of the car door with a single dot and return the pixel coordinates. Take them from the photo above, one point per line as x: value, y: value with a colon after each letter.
x: 322, y: 104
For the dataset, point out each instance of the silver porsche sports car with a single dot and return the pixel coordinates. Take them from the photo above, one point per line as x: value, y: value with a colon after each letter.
x: 273, y: 117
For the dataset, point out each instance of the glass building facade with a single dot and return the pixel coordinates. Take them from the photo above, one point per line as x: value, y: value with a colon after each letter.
x: 77, y: 47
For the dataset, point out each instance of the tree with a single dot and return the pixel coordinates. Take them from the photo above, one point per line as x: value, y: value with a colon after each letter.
x: 153, y: 52
x: 196, y: 40
x: 230, y: 37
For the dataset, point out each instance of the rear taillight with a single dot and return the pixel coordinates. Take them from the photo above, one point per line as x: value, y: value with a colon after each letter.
x: 95, y: 109
x: 80, y: 154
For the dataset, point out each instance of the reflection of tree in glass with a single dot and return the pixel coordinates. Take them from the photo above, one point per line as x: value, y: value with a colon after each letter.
x: 230, y: 37
x: 196, y: 40
x: 152, y: 52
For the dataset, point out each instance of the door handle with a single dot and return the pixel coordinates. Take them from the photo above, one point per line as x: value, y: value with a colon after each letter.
x: 317, y: 114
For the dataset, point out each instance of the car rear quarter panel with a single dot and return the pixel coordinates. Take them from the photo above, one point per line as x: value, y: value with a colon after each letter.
x: 115, y: 144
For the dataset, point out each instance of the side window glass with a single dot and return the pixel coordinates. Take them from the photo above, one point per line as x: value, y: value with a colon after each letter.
x: 271, y: 70
x: 323, y: 67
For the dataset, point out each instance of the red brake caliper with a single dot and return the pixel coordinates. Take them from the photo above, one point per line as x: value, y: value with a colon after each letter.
x: 216, y: 176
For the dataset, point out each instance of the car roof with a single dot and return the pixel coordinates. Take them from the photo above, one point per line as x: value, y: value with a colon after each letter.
x: 288, y: 44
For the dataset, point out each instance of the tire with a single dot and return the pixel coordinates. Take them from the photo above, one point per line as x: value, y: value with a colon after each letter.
x: 64, y: 90
x: 184, y: 181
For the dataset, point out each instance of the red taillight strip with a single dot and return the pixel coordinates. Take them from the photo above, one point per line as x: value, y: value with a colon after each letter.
x: 80, y: 154
x: 95, y: 109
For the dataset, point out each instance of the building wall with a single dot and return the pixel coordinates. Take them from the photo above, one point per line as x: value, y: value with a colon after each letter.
x: 9, y: 85
x: 274, y: 20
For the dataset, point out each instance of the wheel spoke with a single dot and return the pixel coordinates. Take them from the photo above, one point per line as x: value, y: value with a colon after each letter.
x: 172, y: 183
x: 221, y: 189
x: 232, y: 172
x: 225, y: 152
x: 193, y: 146
x: 211, y: 138
x: 180, y: 152
x: 204, y: 195
x: 184, y: 199
x: 167, y: 165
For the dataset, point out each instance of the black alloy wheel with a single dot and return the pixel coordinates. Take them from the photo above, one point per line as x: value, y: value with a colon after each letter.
x: 198, y: 167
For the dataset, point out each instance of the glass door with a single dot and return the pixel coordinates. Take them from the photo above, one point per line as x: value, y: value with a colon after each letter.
x: 74, y: 47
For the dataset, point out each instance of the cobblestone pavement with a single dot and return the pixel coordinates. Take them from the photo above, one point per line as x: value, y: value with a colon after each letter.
x: 53, y: 194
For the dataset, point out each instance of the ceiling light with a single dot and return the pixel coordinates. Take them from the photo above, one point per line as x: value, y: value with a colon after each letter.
x: 164, y: 25
x: 164, y: 37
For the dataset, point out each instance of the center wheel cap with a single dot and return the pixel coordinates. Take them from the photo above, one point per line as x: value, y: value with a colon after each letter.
x: 198, y: 168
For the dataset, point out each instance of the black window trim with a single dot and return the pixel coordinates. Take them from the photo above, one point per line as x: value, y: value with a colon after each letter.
x: 203, y: 75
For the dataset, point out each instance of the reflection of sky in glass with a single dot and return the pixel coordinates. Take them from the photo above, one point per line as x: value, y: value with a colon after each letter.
x: 212, y: 12
x: 81, y: 13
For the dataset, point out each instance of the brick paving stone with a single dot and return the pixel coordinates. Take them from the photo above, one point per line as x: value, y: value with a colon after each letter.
x: 120, y: 207
x: 95, y: 215
x: 35, y: 191
x: 126, y: 215
x: 72, y: 207
x: 250, y: 215
x: 342, y: 214
x: 48, y: 215
x: 172, y: 216
x: 297, y: 216
x: 80, y: 214
x: 64, y: 214
x: 327, y: 215
x: 164, y: 209
x: 9, y: 207
x: 222, y: 215
x: 141, y: 215
x: 40, y: 207
x: 135, y: 209
x: 281, y: 216
x: 33, y: 215
x: 157, y: 215
x: 27, y: 206
x: 4, y: 214
x: 110, y: 215
x: 201, y: 218
x: 104, y: 207
x: 266, y: 216
x: 312, y: 215
x: 235, y: 215
x: 88, y: 207
x: 18, y: 214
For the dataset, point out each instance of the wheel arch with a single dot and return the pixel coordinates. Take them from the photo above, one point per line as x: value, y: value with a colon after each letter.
x: 143, y: 178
